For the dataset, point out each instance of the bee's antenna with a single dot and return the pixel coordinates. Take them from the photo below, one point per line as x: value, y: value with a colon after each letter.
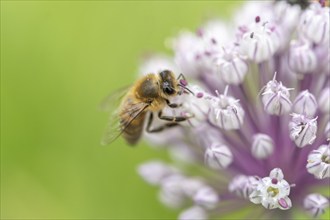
x: 186, y: 88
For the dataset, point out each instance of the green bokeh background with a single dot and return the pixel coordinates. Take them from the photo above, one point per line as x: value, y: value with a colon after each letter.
x: 58, y: 60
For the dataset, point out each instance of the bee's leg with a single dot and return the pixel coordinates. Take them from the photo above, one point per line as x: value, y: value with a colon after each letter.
x: 173, y: 118
x: 172, y: 105
x: 154, y: 130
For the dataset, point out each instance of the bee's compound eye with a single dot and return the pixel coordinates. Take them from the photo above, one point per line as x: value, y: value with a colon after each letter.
x: 168, y: 89
x: 164, y: 74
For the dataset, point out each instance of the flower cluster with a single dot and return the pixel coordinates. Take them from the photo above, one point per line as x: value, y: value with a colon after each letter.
x: 259, y: 117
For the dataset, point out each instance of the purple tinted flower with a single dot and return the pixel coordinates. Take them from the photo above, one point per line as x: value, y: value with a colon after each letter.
x: 324, y: 100
x: 243, y: 185
x: 193, y: 213
x: 206, y: 197
x: 305, y: 103
x: 272, y: 192
x: 314, y: 24
x: 276, y: 98
x: 264, y: 142
x: 154, y: 172
x: 303, y: 130
x: 262, y: 146
x: 260, y: 41
x: 232, y: 68
x: 318, y: 162
x: 315, y: 204
x: 226, y: 112
x: 218, y: 156
x: 302, y: 58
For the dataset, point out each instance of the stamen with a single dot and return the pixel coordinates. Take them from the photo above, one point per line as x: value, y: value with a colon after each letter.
x: 283, y: 203
x: 274, y: 181
x: 183, y: 82
x: 257, y: 19
x: 199, y: 95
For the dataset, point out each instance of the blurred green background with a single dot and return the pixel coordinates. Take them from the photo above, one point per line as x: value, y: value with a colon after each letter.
x: 58, y: 60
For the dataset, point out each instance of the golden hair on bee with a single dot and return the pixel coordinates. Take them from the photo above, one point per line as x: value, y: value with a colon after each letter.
x: 150, y: 93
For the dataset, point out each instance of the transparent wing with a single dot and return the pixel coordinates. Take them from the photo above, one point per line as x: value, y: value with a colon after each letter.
x: 113, y: 100
x: 120, y: 119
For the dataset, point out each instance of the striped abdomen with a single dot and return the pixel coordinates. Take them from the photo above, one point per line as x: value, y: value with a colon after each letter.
x: 133, y: 132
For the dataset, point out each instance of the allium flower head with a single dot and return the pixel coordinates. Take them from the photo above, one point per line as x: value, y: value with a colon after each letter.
x: 259, y: 115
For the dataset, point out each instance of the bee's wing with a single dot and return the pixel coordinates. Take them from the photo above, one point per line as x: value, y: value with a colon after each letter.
x: 113, y: 100
x: 119, y: 121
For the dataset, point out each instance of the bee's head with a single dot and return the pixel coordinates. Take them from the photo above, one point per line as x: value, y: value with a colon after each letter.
x: 167, y: 82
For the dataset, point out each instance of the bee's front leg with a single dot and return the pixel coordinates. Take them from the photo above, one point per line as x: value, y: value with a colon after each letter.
x: 172, y: 105
x: 154, y: 130
x: 173, y: 118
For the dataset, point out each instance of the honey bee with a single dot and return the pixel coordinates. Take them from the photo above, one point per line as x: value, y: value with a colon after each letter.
x: 150, y: 94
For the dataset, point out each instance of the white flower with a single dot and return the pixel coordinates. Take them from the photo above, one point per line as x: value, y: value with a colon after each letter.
x: 318, y: 162
x: 243, y: 185
x: 315, y: 204
x: 272, y: 192
x: 218, y: 156
x: 302, y: 58
x: 232, y: 68
x: 154, y: 172
x: 314, y: 23
x: 303, y: 129
x: 291, y: 14
x: 262, y: 146
x: 215, y: 34
x: 171, y: 193
x: 192, y: 186
x: 305, y: 103
x: 193, y: 213
x: 324, y: 100
x: 206, y: 197
x: 197, y: 105
x: 155, y: 63
x: 260, y: 41
x: 276, y: 98
x: 327, y: 130
x: 189, y: 51
x: 226, y: 112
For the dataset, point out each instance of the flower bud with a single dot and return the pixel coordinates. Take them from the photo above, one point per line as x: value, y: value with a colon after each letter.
x: 314, y: 23
x: 192, y: 186
x: 154, y: 172
x: 155, y: 63
x: 206, y: 197
x: 172, y: 194
x: 302, y: 58
x: 318, y: 162
x: 215, y: 34
x: 193, y: 213
x: 275, y: 98
x: 276, y: 174
x: 197, y: 105
x: 303, y: 130
x: 232, y: 68
x: 226, y: 112
x: 305, y: 103
x: 188, y: 50
x: 327, y: 130
x: 262, y: 146
x: 315, y: 204
x: 243, y: 185
x: 218, y: 156
x: 260, y: 42
x: 291, y: 14
x: 324, y: 100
